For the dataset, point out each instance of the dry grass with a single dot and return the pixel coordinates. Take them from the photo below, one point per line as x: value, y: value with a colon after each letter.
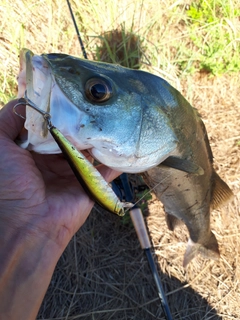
x: 103, y: 274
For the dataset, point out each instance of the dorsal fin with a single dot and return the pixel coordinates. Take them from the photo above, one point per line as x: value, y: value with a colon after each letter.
x: 221, y: 193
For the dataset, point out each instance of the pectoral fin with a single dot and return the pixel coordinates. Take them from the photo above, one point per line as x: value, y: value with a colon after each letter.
x: 172, y: 221
x: 183, y: 165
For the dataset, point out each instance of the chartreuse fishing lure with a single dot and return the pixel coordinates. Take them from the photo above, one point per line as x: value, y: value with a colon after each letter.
x: 89, y: 177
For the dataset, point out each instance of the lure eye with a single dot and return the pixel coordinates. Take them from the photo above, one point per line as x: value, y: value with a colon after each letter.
x: 98, y: 90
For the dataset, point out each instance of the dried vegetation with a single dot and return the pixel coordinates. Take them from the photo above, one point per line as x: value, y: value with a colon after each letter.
x: 103, y: 274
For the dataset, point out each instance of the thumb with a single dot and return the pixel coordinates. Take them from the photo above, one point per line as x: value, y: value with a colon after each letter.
x: 108, y: 173
x: 10, y: 123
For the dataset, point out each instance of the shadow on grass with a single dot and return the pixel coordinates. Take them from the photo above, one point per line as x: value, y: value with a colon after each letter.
x: 104, y: 274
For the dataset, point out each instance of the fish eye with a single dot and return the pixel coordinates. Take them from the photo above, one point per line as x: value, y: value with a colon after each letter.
x: 98, y: 90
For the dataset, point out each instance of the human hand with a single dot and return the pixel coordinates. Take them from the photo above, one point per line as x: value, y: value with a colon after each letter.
x: 39, y: 192
x: 42, y: 205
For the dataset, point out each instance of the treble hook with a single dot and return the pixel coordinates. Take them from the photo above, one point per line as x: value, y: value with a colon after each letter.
x: 27, y: 102
x: 21, y: 101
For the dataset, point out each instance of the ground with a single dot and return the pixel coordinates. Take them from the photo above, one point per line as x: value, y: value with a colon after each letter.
x: 103, y: 273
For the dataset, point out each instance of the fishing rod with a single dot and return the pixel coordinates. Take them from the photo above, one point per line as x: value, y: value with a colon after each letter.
x: 135, y: 212
x: 77, y: 31
x: 144, y: 240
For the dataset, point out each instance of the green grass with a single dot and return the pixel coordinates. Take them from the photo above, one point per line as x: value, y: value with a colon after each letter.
x: 212, y: 30
x: 164, y: 38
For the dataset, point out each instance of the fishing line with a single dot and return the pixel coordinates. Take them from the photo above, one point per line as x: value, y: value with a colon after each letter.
x: 135, y: 213
x: 143, y: 196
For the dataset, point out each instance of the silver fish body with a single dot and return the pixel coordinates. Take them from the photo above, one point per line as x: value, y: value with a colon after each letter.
x: 131, y: 121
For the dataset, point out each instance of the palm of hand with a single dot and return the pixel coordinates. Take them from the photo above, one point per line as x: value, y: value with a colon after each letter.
x: 40, y: 191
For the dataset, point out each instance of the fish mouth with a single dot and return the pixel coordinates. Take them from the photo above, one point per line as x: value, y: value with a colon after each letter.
x: 34, y: 83
x: 37, y: 84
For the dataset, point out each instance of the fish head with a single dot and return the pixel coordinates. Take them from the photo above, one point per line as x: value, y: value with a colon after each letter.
x: 116, y: 113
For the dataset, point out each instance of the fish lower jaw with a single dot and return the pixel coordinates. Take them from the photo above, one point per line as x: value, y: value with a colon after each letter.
x: 122, y: 162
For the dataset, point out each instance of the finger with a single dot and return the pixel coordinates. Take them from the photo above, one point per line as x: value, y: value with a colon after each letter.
x: 87, y: 155
x: 108, y: 173
x: 10, y: 123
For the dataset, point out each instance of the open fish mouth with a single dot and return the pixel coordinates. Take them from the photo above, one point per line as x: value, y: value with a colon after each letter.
x: 36, y: 81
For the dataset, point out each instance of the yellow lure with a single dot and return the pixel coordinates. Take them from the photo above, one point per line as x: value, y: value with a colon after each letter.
x: 92, y: 181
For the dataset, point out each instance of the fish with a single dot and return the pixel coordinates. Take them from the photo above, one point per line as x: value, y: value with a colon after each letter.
x: 131, y: 121
x: 189, y: 187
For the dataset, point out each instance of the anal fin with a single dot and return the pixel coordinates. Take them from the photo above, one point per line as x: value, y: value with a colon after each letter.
x: 221, y: 192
